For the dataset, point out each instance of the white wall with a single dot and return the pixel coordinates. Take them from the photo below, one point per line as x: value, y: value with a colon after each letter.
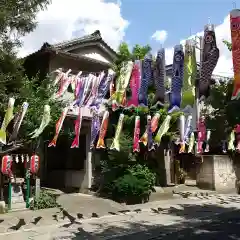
x: 216, y: 173
x: 94, y: 53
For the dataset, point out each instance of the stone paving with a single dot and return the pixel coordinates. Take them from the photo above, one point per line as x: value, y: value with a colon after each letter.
x: 77, y: 206
x: 175, y: 212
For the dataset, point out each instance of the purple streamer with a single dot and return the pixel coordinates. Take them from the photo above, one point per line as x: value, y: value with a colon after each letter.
x: 177, y: 77
x: 146, y: 80
x: 80, y: 91
x: 95, y: 127
x: 102, y: 91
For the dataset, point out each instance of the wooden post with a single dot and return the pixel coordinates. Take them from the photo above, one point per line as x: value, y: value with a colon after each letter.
x: 9, y: 194
x: 88, y: 166
x: 167, y: 163
x: 37, y: 187
x: 28, y: 188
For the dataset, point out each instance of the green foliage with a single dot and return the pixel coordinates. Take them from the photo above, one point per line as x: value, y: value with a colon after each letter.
x: 134, y: 185
x: 224, y: 115
x: 20, y: 16
x: 126, y: 176
x: 37, y: 95
x: 124, y: 54
x: 139, y: 52
x: 17, y: 19
x: 45, y: 200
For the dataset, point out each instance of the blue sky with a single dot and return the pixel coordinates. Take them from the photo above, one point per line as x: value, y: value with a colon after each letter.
x: 177, y: 17
x: 134, y: 21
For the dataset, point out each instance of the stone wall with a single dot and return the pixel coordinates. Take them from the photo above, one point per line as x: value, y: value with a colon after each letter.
x: 216, y: 172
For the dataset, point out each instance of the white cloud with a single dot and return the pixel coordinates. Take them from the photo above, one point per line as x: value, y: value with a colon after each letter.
x: 224, y: 66
x: 160, y: 36
x: 66, y: 19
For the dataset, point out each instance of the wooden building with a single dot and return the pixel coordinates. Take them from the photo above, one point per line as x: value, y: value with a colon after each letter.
x: 63, y: 167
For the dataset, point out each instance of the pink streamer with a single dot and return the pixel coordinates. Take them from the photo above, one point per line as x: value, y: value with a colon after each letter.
x: 237, y: 130
x: 79, y: 85
x: 78, y: 124
x: 135, y: 85
x: 201, y: 134
x: 136, y: 147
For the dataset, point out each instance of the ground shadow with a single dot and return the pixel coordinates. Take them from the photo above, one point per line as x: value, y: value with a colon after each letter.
x: 198, y: 222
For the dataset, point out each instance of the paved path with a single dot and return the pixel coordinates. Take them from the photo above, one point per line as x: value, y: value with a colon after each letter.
x: 224, y: 226
x: 77, y: 205
x: 88, y: 204
x: 162, y: 216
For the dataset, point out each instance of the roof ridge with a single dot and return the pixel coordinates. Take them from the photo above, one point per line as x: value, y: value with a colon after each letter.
x: 96, y: 35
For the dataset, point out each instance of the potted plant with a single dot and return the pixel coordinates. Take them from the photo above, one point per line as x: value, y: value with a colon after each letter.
x: 182, y: 176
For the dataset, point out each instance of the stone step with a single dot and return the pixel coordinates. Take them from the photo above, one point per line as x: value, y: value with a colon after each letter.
x: 18, y: 206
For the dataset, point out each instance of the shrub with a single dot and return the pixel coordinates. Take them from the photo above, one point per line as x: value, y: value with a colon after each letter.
x: 45, y: 200
x: 134, y: 186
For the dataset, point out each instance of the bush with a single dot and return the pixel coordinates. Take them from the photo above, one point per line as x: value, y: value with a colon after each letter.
x: 134, y: 186
x: 45, y: 200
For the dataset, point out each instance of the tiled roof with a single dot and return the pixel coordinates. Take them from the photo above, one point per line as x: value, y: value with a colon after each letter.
x: 59, y: 48
x: 46, y: 47
x: 94, y: 37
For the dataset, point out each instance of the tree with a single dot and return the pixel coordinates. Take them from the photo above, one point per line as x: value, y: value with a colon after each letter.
x: 17, y: 19
x: 224, y: 115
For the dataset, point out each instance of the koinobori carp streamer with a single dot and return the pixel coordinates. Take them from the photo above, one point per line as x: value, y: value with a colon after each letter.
x: 102, y: 90
x: 207, y: 148
x: 116, y: 144
x: 46, y: 118
x: 209, y: 61
x: 177, y: 77
x: 146, y: 80
x: 95, y: 127
x: 103, y: 131
x: 149, y: 133
x: 136, y: 147
x: 135, y: 82
x: 159, y: 77
x: 231, y: 146
x: 58, y: 127
x: 154, y: 126
x: 190, y: 74
x: 122, y: 83
x: 235, y: 35
x: 201, y: 134
x: 182, y: 131
x: 78, y: 125
x: 18, y: 121
x: 162, y: 130
x: 7, y: 119
x: 237, y: 131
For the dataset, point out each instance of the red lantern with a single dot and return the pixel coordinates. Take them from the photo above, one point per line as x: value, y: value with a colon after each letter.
x: 34, y: 164
x: 7, y: 165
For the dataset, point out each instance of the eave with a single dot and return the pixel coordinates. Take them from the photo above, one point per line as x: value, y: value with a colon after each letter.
x: 45, y: 50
